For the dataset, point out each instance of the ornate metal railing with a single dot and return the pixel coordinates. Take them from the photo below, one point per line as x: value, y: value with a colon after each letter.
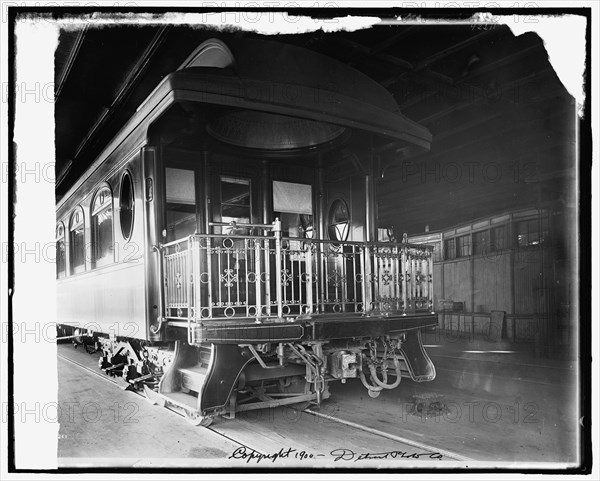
x: 232, y: 276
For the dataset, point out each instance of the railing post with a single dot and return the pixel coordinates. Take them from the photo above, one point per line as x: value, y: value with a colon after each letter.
x: 430, y: 279
x: 190, y: 286
x: 309, y: 277
x: 267, y: 254
x: 258, y: 276
x: 322, y: 274
x: 404, y: 273
x: 367, y: 278
x: 209, y: 284
x: 278, y: 266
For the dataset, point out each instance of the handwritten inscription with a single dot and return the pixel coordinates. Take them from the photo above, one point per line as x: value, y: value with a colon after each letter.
x: 349, y: 455
x: 340, y: 454
x: 250, y: 454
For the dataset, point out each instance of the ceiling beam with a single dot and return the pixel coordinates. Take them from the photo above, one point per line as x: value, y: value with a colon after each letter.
x: 127, y: 86
x: 478, y: 146
x: 453, y: 49
x: 394, y: 39
x: 501, y: 62
x: 438, y: 56
x: 509, y: 94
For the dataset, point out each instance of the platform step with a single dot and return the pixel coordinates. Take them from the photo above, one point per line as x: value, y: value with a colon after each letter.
x: 186, y: 401
x: 193, y: 377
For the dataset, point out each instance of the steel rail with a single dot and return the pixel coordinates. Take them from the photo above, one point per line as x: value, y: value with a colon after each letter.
x: 377, y: 432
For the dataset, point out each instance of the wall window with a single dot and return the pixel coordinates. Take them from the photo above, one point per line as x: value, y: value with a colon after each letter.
x: 498, y: 238
x: 463, y: 246
x: 530, y: 232
x: 480, y: 242
x: 292, y: 203
x: 235, y: 204
x: 77, y: 242
x: 181, y: 203
x: 339, y: 221
x: 102, y: 227
x: 61, y: 255
x: 126, y: 205
x: 450, y: 248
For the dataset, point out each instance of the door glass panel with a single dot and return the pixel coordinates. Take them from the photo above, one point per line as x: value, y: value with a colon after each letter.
x: 235, y: 203
x: 181, y: 203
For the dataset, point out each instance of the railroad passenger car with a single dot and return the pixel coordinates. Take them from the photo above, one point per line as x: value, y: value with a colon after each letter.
x: 222, y: 252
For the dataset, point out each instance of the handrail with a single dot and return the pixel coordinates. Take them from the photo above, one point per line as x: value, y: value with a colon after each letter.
x: 275, y: 226
x: 244, y: 276
x: 161, y: 291
x: 302, y: 239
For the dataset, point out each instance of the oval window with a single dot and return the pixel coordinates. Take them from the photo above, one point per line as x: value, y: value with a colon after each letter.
x: 126, y: 205
x: 339, y: 220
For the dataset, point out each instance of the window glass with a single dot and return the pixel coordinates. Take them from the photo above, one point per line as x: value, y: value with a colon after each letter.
x: 181, y: 203
x: 529, y: 232
x: 450, y: 248
x: 126, y: 205
x: 61, y: 257
x: 292, y: 197
x: 339, y: 221
x: 463, y: 246
x: 292, y: 204
x: 235, y: 203
x: 102, y: 227
x: 480, y: 240
x: 522, y: 233
x: 498, y: 239
x: 76, y: 242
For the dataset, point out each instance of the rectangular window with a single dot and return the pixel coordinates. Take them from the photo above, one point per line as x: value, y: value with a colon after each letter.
x: 103, y: 235
x: 181, y: 203
x: 60, y: 258
x: 529, y: 232
x: 450, y: 248
x: 292, y: 203
x: 498, y: 238
x: 77, y: 249
x: 102, y: 228
x: 463, y: 246
x: 480, y: 242
x: 235, y: 203
x: 291, y: 197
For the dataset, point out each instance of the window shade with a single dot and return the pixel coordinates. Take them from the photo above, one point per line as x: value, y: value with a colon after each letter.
x: 180, y: 186
x: 292, y: 198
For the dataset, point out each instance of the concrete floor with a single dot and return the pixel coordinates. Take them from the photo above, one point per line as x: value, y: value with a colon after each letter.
x: 500, y: 407
x: 493, y: 406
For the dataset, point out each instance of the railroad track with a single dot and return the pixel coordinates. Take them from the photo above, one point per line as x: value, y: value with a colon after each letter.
x: 447, y: 455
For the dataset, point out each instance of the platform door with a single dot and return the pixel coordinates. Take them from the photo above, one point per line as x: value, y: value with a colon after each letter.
x: 238, y: 253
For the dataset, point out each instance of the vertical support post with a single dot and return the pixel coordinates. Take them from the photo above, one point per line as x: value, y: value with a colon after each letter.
x: 404, y: 273
x: 210, y: 283
x: 206, y: 191
x: 430, y: 279
x: 397, y: 274
x: 278, y: 266
x: 266, y: 192
x: 367, y: 279
x: 322, y: 274
x: 371, y: 195
x: 258, y: 276
x: 190, y: 285
x: 309, y: 277
x: 267, y: 255
x: 321, y: 267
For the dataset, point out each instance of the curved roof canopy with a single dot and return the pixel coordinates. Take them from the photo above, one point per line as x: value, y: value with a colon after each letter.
x: 286, y: 97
